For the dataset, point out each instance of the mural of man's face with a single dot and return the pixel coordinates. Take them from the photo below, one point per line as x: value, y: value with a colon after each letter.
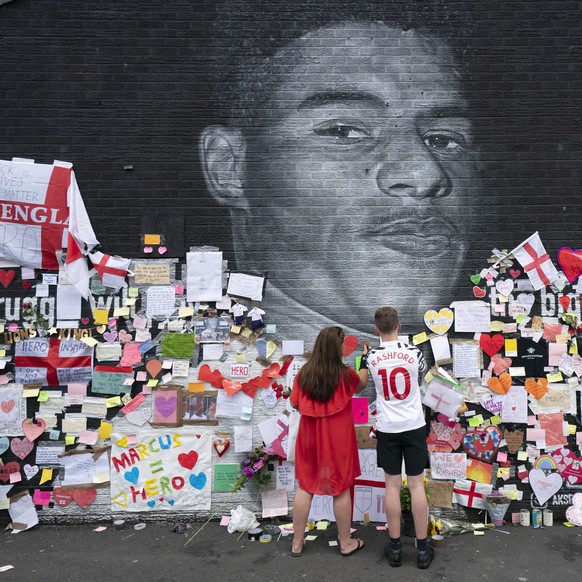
x: 352, y: 183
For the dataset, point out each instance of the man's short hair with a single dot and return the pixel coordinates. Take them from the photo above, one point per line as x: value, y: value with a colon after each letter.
x: 386, y: 319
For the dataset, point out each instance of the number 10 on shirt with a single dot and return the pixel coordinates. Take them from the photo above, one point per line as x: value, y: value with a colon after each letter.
x: 390, y: 380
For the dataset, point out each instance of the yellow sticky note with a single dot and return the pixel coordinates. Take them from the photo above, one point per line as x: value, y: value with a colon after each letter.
x: 2, y: 327
x: 479, y: 533
x: 562, y: 338
x: 2, y: 353
x: 241, y: 358
x: 70, y: 439
x: 101, y: 316
x: 47, y: 475
x: 186, y: 311
x: 113, y: 401
x: 502, y: 298
x: 152, y: 383
x: 511, y: 347
x: 476, y: 420
x: 247, y: 332
x: 569, y: 524
x: 502, y: 471
x: 573, y: 348
x: 571, y: 429
x: 495, y: 420
x: 43, y: 396
x: 322, y: 525
x: 419, y: 338
x: 151, y: 239
x: 90, y: 341
x: 236, y: 329
x: 130, y: 302
x: 557, y: 377
x: 522, y: 455
x: 133, y: 292
x: 105, y: 429
x: 121, y: 312
x: 30, y: 392
x: 195, y: 386
x: 496, y: 326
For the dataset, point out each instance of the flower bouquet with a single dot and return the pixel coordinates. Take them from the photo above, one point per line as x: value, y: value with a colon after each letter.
x: 440, y: 526
x: 496, y: 505
x: 253, y: 467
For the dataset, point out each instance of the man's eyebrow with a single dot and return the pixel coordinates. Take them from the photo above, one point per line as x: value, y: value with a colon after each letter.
x: 328, y: 97
x: 448, y: 112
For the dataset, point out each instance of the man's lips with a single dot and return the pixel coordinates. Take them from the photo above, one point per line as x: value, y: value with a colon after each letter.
x: 415, y: 236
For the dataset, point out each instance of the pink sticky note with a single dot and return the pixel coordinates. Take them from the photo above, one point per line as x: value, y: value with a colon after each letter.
x: 141, y: 376
x: 41, y: 497
x: 131, y: 355
x: 179, y: 289
x: 501, y: 457
x: 15, y: 477
x: 140, y: 322
x: 88, y: 437
x: 380, y: 528
x: 146, y: 390
x: 531, y: 420
x: 515, y: 518
x: 360, y: 410
x: 131, y: 439
x: 225, y: 520
x: 128, y: 381
x: 100, y: 528
x: 579, y: 438
x: 535, y: 434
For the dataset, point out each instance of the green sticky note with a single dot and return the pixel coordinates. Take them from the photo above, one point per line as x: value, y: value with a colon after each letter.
x: 152, y: 383
x: 495, y: 420
x: 70, y: 439
x: 476, y: 420
x: 310, y: 538
x: 225, y: 474
x: 43, y: 396
x: 178, y: 345
x: 133, y: 292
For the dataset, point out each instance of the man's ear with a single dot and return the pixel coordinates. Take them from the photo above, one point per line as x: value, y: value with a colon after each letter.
x: 222, y: 155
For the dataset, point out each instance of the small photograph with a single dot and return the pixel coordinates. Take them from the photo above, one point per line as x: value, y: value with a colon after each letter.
x: 199, y: 408
x: 212, y: 329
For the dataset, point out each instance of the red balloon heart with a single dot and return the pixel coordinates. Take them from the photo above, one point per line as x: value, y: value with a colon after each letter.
x: 491, y: 344
x: 478, y: 292
x: 350, y: 344
x: 188, y: 460
x: 570, y: 262
x: 84, y: 497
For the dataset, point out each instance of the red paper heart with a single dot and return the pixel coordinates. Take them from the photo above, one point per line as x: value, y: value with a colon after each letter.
x: 85, y: 320
x: 7, y: 470
x: 188, y: 460
x: 221, y: 446
x: 478, y: 292
x: 570, y: 262
x: 350, y: 344
x: 515, y: 273
x: 565, y: 302
x: 6, y: 277
x: 205, y: 374
x: 7, y: 406
x: 491, y: 344
x: 21, y: 447
x: 26, y: 284
x: 272, y: 371
x: 231, y: 387
x: 84, y: 497
x: 33, y: 428
x: 62, y: 497
x: 500, y: 364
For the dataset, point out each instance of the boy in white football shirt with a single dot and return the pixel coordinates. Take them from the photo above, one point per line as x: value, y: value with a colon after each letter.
x: 397, y: 369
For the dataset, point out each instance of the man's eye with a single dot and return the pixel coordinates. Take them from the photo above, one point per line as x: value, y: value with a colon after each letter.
x: 445, y: 142
x: 340, y: 131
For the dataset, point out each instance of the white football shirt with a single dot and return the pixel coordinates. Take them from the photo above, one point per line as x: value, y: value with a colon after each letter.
x: 395, y: 368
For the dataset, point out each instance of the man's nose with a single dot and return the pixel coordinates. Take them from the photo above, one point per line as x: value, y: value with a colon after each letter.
x: 410, y: 170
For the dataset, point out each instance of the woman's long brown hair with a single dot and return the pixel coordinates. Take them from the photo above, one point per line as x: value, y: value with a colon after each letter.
x: 322, y: 373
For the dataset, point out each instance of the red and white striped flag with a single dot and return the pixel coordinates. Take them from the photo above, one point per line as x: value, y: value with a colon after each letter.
x: 111, y: 270
x: 536, y: 262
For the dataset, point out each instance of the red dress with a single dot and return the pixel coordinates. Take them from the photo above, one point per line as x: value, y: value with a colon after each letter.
x: 326, y: 453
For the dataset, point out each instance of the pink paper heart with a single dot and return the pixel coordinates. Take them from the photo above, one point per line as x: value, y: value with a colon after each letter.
x: 125, y: 337
x: 500, y: 364
x: 162, y: 250
x: 12, y: 327
x: 488, y: 276
x: 85, y: 320
x: 515, y: 273
x: 21, y: 447
x: 148, y: 250
x: 112, y: 322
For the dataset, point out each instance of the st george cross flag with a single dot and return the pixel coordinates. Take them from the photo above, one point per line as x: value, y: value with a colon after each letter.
x: 38, y: 202
x: 111, y: 270
x: 470, y: 493
x: 532, y: 256
x: 53, y: 362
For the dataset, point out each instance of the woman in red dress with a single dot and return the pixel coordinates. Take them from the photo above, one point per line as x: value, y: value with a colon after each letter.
x: 326, y: 453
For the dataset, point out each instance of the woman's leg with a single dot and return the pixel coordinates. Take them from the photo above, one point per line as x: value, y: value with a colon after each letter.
x: 342, y: 509
x: 301, y: 508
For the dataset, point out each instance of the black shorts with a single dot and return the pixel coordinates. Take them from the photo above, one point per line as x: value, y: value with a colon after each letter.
x: 410, y: 445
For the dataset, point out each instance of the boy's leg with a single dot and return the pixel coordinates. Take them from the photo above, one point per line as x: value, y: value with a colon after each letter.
x: 392, y: 504
x: 419, y: 505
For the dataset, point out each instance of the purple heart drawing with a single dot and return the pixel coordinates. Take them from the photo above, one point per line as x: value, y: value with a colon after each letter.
x: 110, y: 336
x: 166, y: 406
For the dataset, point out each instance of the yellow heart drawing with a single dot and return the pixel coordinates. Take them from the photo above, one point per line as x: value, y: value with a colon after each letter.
x: 101, y: 328
x: 121, y: 499
x: 439, y: 322
x: 271, y: 347
x: 122, y: 442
